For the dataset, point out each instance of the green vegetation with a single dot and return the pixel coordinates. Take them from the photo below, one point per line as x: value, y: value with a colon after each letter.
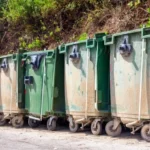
x: 23, y: 10
x: 37, y: 24
x: 83, y: 36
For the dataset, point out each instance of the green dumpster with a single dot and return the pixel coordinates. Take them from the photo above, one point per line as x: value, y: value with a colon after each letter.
x: 86, y: 83
x: 44, y: 87
x: 129, y: 80
x: 11, y: 90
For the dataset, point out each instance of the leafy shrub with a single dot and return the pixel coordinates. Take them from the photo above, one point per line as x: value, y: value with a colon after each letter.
x: 37, y: 43
x: 2, y: 5
x: 24, y: 9
x: 83, y: 36
x: 56, y: 20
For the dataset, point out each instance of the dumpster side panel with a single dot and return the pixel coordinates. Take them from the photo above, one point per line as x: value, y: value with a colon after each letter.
x: 103, y: 78
x: 59, y: 91
x: 20, y: 82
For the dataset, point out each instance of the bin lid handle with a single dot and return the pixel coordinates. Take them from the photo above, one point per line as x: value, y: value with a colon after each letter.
x: 36, y: 60
x: 125, y: 48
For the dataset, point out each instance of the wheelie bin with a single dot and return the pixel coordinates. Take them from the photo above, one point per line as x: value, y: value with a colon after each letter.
x: 44, y: 87
x: 130, y: 81
x: 86, y: 83
x: 11, y: 90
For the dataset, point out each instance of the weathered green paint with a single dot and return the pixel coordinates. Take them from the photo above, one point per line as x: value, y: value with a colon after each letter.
x: 76, y: 76
x: 53, y: 98
x: 12, y: 87
x: 103, y: 85
x: 125, y: 75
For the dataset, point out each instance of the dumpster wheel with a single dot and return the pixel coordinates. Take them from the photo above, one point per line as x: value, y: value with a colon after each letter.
x: 113, y: 132
x: 33, y: 123
x: 145, y: 132
x: 51, y: 124
x: 17, y: 121
x: 74, y: 128
x: 96, y: 128
x: 2, y: 120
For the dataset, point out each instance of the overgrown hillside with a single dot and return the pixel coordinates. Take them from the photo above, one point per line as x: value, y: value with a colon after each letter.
x: 39, y: 24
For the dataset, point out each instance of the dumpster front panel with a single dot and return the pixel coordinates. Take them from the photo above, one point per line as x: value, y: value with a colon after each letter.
x: 75, y: 81
x: 81, y: 81
x: 9, y: 85
x: 125, y: 75
x: 39, y: 94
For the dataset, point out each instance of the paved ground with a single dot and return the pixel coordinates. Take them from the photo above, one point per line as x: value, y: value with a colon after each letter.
x: 41, y: 139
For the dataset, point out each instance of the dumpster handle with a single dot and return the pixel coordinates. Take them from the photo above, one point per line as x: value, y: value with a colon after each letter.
x: 62, y: 49
x: 43, y: 88
x: 53, y: 84
x: 108, y: 39
x: 90, y: 43
x: 14, y: 57
x: 144, y: 35
x: 87, y: 71
x: 49, y: 55
x: 96, y: 78
x: 11, y: 91
x: 141, y: 77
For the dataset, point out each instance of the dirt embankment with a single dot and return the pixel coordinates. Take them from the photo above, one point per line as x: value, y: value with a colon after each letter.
x: 109, y: 16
